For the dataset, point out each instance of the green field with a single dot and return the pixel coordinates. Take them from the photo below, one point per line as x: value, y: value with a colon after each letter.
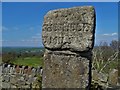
x: 29, y: 61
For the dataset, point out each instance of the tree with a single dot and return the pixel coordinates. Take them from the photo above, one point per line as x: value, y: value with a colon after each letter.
x: 114, y: 44
x: 8, y: 57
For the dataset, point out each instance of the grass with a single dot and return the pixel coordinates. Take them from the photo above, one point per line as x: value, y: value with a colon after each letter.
x: 102, y: 64
x: 29, y: 61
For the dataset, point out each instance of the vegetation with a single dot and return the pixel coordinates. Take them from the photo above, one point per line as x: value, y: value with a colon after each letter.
x: 30, y: 57
x: 29, y: 61
x: 105, y: 57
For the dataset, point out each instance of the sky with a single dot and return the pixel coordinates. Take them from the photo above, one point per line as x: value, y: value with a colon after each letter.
x: 22, y: 22
x: 60, y: 0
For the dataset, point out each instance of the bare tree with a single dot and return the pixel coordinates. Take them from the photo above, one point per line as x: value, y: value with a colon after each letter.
x: 114, y: 44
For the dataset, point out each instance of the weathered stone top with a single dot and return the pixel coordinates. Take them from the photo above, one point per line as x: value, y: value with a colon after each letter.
x: 69, y: 29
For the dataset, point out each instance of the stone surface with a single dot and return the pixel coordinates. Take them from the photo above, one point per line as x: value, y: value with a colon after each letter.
x: 68, y: 37
x: 69, y: 29
x: 12, y: 78
x: 113, y: 77
x: 66, y: 71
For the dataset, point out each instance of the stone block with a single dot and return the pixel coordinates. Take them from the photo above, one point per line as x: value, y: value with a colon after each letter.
x: 66, y: 71
x: 68, y: 38
x: 69, y: 29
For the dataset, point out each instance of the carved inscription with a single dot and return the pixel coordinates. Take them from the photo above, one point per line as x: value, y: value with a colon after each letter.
x: 69, y: 29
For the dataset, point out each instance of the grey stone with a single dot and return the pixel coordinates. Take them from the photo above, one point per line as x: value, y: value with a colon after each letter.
x: 26, y: 86
x: 38, y: 70
x: 27, y: 83
x: 33, y: 72
x: 113, y: 77
x: 5, y: 71
x: 5, y: 85
x: 20, y: 82
x: 36, y: 85
x: 0, y: 70
x: 68, y: 37
x: 1, y: 82
x: 13, y: 86
x: 13, y: 79
x: 41, y: 71
x: 26, y: 77
x: 69, y: 29
x: 11, y: 70
x: 95, y: 75
x: 63, y: 71
x: 9, y: 79
x: 31, y: 79
x: 18, y: 75
x: 103, y: 77
x: 6, y: 78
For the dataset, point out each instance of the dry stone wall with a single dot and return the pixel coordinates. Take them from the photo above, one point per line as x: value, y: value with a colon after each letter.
x: 15, y: 76
x: 68, y: 37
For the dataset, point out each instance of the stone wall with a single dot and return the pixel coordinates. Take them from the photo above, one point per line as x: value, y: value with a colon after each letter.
x: 68, y: 37
x: 15, y: 76
x: 106, y: 80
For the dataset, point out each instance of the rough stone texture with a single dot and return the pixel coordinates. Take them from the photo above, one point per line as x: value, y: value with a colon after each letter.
x: 68, y: 36
x: 113, y: 77
x: 69, y: 29
x: 13, y: 77
x: 106, y: 80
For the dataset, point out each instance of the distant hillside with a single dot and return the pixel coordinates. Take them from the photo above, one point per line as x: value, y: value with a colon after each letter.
x: 22, y: 49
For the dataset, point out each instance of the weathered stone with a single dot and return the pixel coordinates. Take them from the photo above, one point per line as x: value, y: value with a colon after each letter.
x: 68, y: 37
x: 113, y: 77
x: 1, y: 82
x: 5, y: 85
x: 33, y: 72
x: 26, y: 86
x: 21, y: 82
x: 67, y: 70
x: 99, y: 77
x: 29, y: 70
x: 69, y: 29
x: 17, y: 69
x: 13, y: 80
x: 13, y: 86
x: 31, y: 79
x: 6, y: 78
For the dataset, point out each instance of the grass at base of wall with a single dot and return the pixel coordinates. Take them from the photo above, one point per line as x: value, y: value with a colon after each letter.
x: 29, y: 61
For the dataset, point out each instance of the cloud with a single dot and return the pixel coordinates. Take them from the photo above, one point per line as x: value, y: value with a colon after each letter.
x: 105, y: 34
x: 37, y: 36
x: 34, y: 39
x: 4, y: 41
x: 4, y: 28
x: 110, y: 34
x: 113, y: 34
x: 108, y: 37
x: 15, y: 28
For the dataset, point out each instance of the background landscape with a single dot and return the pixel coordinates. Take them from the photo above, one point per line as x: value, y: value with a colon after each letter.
x: 22, y: 29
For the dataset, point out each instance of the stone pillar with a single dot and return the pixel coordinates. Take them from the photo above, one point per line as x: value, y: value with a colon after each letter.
x: 68, y: 38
